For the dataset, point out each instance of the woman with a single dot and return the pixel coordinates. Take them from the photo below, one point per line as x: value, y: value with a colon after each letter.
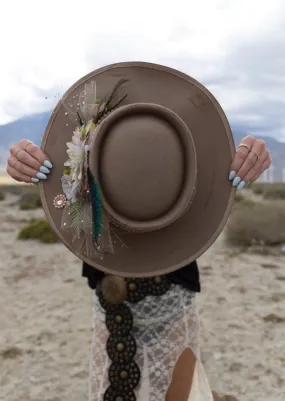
x: 27, y: 163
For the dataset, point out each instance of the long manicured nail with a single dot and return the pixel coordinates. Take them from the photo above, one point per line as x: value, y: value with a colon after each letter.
x: 241, y: 185
x: 232, y: 175
x: 41, y: 176
x: 48, y: 164
x: 44, y: 169
x: 35, y: 179
x: 236, y: 181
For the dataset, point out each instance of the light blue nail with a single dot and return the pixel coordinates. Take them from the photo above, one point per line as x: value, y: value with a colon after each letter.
x: 41, y: 176
x: 48, y: 164
x: 44, y: 169
x: 236, y: 181
x: 241, y: 185
x: 35, y: 180
x: 232, y: 175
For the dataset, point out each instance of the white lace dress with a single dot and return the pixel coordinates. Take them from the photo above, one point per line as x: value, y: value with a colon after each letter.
x: 164, y: 327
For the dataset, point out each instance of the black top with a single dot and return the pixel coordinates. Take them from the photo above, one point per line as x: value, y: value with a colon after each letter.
x: 188, y: 276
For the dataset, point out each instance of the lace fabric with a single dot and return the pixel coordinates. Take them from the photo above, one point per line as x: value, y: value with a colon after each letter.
x: 163, y: 328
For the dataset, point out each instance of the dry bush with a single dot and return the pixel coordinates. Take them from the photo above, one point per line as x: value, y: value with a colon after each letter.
x: 17, y: 189
x: 2, y: 196
x: 30, y: 200
x: 258, y: 188
x: 39, y: 230
x: 269, y: 190
x: 276, y: 191
x: 11, y: 353
x: 240, y: 198
x: 260, y: 223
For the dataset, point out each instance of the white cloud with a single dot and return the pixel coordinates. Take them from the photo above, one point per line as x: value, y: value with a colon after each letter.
x: 235, y: 47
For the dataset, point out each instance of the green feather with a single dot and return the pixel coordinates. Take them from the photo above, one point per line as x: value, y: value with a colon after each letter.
x: 96, y: 208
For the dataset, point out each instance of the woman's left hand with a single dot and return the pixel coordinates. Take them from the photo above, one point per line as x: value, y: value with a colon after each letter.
x: 252, y: 158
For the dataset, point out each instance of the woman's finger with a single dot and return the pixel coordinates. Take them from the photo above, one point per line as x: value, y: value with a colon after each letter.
x: 251, y: 159
x: 241, y: 155
x: 266, y: 164
x: 35, y: 152
x: 257, y: 167
x: 18, y: 176
x: 21, y: 167
x: 24, y: 157
x: 27, y: 159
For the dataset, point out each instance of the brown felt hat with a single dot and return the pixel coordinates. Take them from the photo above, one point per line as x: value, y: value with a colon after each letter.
x: 159, y: 163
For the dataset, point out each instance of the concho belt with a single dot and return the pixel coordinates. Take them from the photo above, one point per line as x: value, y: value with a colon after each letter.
x: 113, y: 291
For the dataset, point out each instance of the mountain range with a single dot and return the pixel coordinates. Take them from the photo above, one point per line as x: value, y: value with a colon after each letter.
x: 32, y: 127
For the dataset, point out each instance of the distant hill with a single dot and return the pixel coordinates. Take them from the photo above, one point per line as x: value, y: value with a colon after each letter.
x: 33, y: 126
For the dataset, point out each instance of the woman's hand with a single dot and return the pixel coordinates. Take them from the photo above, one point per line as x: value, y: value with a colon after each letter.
x: 251, y: 160
x: 27, y: 163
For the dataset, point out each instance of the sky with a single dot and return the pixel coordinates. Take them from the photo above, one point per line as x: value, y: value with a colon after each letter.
x: 236, y: 48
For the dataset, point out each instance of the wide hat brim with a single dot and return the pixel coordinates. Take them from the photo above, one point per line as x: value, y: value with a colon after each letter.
x: 168, y: 249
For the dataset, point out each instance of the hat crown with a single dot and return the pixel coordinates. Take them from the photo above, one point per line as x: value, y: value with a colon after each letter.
x: 144, y: 161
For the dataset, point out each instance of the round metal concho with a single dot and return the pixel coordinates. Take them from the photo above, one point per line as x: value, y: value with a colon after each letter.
x: 120, y: 320
x: 137, y: 289
x: 115, y: 395
x: 158, y: 285
x: 121, y: 348
x: 114, y: 289
x: 105, y: 305
x: 124, y: 376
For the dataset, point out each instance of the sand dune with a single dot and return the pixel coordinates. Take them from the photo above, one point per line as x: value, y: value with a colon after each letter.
x: 46, y: 320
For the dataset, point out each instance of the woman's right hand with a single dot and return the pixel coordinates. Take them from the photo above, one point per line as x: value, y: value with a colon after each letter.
x: 27, y: 162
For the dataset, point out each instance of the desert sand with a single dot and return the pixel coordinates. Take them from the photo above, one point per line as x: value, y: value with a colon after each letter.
x: 46, y: 319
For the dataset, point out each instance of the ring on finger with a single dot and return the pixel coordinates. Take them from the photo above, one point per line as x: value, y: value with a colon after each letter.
x: 257, y: 157
x: 15, y: 162
x: 25, y: 148
x: 18, y: 150
x: 244, y: 145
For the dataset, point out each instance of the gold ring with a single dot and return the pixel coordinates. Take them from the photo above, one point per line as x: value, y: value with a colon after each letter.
x: 18, y: 150
x: 255, y: 154
x: 25, y: 148
x: 244, y: 145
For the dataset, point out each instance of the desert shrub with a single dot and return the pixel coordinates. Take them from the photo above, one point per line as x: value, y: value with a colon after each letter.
x: 2, y: 196
x: 17, y: 189
x: 11, y: 353
x: 258, y: 188
x: 39, y: 230
x: 269, y: 190
x: 256, y: 223
x: 30, y: 200
x: 274, y: 191
x: 239, y: 198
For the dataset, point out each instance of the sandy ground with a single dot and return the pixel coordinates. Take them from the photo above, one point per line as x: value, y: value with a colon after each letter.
x: 46, y: 318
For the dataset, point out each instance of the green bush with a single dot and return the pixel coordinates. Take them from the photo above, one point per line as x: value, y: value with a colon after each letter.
x: 2, y: 196
x: 30, y: 200
x: 256, y: 223
x: 39, y: 230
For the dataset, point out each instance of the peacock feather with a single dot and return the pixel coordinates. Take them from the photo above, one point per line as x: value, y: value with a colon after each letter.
x: 107, y: 101
x: 96, y: 208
